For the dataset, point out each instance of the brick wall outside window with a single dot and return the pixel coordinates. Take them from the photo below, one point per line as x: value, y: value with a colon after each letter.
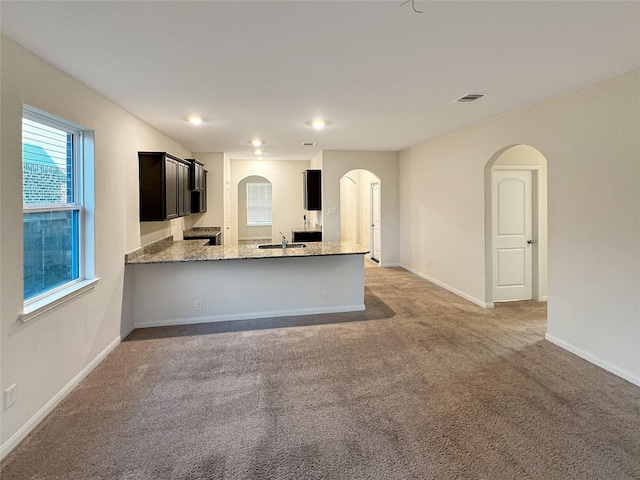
x: 43, y: 184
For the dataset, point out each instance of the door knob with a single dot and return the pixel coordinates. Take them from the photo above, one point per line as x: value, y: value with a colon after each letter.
x: 530, y: 242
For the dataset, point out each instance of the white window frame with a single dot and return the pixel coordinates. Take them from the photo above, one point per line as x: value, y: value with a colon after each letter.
x: 255, y: 224
x: 83, y: 203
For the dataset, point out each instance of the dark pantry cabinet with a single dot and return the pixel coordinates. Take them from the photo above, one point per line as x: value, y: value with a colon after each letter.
x: 164, y: 186
x: 312, y: 189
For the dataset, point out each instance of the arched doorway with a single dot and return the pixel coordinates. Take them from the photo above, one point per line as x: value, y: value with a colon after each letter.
x: 516, y: 225
x: 360, y: 211
x: 255, y: 213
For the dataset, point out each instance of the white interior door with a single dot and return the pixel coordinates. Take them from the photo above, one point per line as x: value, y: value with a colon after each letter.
x: 375, y: 222
x: 512, y: 235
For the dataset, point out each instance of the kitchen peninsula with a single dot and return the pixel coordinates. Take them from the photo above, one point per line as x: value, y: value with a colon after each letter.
x: 188, y: 281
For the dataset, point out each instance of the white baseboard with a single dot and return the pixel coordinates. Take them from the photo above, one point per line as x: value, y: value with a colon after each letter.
x: 460, y: 293
x: 635, y: 379
x: 250, y: 316
x: 384, y: 265
x: 53, y: 403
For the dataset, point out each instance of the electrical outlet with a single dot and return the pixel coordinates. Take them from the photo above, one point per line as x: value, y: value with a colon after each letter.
x: 333, y: 210
x: 323, y: 296
x: 10, y: 396
x: 428, y: 262
x: 198, y: 305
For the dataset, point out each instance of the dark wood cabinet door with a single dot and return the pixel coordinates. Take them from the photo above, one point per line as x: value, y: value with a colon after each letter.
x: 203, y: 193
x: 198, y: 184
x: 171, y: 188
x: 196, y: 174
x: 199, y: 180
x: 312, y: 189
x: 183, y: 193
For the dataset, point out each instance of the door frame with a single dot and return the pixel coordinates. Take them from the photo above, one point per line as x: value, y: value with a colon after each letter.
x: 372, y: 221
x: 535, y: 232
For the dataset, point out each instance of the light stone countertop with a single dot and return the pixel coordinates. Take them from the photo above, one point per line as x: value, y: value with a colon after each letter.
x: 168, y: 251
x: 200, y: 232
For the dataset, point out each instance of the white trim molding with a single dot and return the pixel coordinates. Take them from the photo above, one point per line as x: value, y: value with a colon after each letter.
x: 460, y: 293
x: 630, y: 377
x: 54, y: 300
x: 57, y: 398
x: 250, y: 316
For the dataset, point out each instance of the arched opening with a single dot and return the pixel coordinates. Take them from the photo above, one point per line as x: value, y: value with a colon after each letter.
x: 360, y: 211
x: 255, y: 210
x: 516, y: 225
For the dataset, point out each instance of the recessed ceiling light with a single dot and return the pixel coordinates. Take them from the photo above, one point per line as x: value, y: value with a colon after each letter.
x: 318, y: 123
x: 256, y: 142
x: 195, y: 119
x: 257, y: 151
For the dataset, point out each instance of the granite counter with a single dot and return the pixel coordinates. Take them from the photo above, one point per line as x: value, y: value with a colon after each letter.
x: 168, y: 251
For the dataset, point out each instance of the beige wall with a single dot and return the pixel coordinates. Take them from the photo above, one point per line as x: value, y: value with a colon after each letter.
x: 349, y: 205
x: 43, y: 356
x: 286, y: 180
x: 590, y: 139
x: 384, y: 165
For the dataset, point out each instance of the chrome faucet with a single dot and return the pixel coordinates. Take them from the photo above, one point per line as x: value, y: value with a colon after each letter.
x: 284, y: 241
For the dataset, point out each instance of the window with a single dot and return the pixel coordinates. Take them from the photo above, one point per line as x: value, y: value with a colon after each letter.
x: 54, y: 154
x: 258, y: 204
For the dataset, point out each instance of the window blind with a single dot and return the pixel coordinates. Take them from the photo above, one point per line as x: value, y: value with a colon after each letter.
x: 258, y: 204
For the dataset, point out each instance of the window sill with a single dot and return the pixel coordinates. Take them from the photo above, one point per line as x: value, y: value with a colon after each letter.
x: 52, y: 301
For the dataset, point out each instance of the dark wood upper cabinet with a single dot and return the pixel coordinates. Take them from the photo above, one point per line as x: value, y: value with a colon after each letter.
x: 164, y: 186
x: 198, y: 186
x: 312, y: 189
x: 196, y: 175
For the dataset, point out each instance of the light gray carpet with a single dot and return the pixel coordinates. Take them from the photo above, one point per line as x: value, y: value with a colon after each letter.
x: 423, y: 385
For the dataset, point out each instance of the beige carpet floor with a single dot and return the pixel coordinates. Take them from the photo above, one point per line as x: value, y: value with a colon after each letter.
x: 423, y: 385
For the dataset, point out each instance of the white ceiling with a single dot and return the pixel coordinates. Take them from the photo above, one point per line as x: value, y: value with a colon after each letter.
x: 384, y: 76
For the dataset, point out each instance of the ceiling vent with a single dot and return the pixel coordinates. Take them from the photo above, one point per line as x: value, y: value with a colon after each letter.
x: 470, y: 97
x: 308, y: 144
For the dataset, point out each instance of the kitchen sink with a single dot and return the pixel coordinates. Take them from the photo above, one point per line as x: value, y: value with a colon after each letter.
x: 279, y: 245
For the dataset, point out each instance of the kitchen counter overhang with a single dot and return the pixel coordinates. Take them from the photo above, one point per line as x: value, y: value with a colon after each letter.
x: 168, y: 251
x: 184, y: 282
